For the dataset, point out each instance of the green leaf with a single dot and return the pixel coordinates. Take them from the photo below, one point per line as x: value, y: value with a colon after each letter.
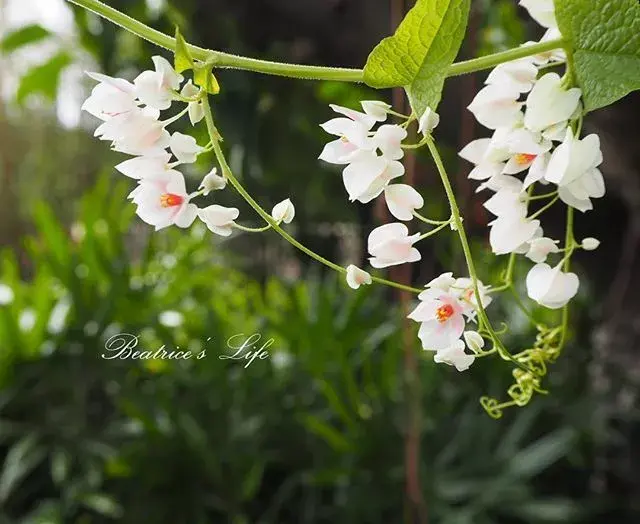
x: 28, y: 34
x: 418, y: 54
x: 182, y: 58
x: 605, y: 37
x: 44, y: 78
x: 102, y: 504
x: 203, y: 77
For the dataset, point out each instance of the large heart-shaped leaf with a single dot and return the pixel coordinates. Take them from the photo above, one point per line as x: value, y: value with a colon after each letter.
x: 605, y: 38
x: 418, y: 54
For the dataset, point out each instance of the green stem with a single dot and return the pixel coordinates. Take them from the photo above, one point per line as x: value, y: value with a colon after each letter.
x: 225, y: 60
x: 433, y: 231
x: 252, y: 229
x: 226, y: 171
x: 457, y: 220
x: 544, y: 208
x: 429, y: 221
x: 569, y: 243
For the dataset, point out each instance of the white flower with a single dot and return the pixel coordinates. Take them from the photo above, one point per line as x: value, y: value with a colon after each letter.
x: 550, y: 287
x: 357, y: 277
x: 6, y: 295
x: 508, y: 201
x: 284, y: 212
x: 354, y: 138
x: 156, y: 88
x: 497, y: 106
x: 476, y: 153
x: 402, y: 200
x: 376, y: 109
x: 111, y: 97
x: 540, y: 248
x: 212, y: 182
x: 542, y: 11
x: 464, y: 290
x: 219, y: 219
x: 524, y: 146
x: 442, y: 282
x: 137, y: 132
x: 537, y: 171
x: 196, y: 109
x: 474, y: 341
x: 455, y: 356
x: 388, y: 138
x: 573, y: 166
x: 590, y: 244
x: 366, y: 120
x: 367, y: 176
x: 520, y: 74
x: 390, y: 245
x: 510, y: 234
x: 145, y: 166
x: 499, y: 182
x: 556, y: 55
x: 162, y: 200
x: 549, y: 103
x: 428, y: 121
x: 441, y: 319
x: 185, y: 148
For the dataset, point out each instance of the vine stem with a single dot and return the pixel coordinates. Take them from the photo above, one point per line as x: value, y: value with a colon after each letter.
x: 464, y: 241
x: 226, y: 60
x: 228, y: 174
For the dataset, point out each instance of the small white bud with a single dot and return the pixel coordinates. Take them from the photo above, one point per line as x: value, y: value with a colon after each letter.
x: 428, y: 121
x: 212, y: 182
x: 590, y: 244
x: 284, y: 212
x: 474, y: 341
x: 357, y: 277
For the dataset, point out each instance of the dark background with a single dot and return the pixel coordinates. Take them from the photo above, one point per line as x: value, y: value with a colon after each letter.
x: 318, y: 432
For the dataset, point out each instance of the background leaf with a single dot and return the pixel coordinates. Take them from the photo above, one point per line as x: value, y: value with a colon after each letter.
x: 43, y: 79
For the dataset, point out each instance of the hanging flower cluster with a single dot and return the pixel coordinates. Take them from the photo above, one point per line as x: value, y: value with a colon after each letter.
x: 535, y: 117
x: 130, y: 114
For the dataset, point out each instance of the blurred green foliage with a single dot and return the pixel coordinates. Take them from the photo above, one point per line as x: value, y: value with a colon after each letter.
x: 313, y: 434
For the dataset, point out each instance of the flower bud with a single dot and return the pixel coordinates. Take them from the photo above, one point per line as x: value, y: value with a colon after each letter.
x: 474, y: 341
x: 284, y: 212
x: 212, y: 182
x: 590, y: 244
x: 357, y: 277
x: 428, y: 121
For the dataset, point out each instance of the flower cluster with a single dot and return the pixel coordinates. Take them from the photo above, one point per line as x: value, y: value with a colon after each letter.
x: 446, y: 305
x: 130, y: 114
x: 533, y: 116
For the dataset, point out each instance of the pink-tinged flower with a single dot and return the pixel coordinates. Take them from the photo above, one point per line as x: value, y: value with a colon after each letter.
x: 219, y: 219
x: 455, y: 356
x: 551, y: 287
x: 111, y: 97
x: 368, y: 174
x: 354, y: 138
x: 145, y: 166
x: 574, y: 167
x: 162, y: 200
x: 465, y: 292
x: 155, y: 88
x: 497, y: 106
x: 357, y: 277
x: 388, y: 139
x: 509, y: 201
x: 442, y: 282
x: 556, y: 55
x: 549, y: 103
x: 519, y: 74
x: 138, y: 132
x: 366, y: 120
x: 390, y: 245
x: 441, y: 318
x: 402, y: 200
x: 541, y: 248
x: 524, y: 147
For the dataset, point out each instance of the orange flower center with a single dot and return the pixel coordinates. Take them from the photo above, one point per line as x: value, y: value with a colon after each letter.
x: 524, y: 158
x: 171, y: 200
x: 444, y: 313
